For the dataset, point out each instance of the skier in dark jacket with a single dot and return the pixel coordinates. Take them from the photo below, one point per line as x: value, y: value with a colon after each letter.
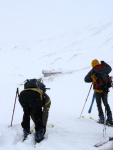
x: 36, y: 104
x: 46, y: 103
x: 100, y: 94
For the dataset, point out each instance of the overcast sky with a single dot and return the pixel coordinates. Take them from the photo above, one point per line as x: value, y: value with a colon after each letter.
x: 22, y: 20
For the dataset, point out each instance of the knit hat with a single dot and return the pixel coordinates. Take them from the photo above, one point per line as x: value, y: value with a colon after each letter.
x: 95, y: 62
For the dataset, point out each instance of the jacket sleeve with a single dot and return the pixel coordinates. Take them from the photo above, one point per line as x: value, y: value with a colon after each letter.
x: 88, y: 78
x: 46, y: 107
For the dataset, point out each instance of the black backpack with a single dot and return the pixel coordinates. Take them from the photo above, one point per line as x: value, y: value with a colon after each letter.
x: 31, y: 83
x: 103, y: 81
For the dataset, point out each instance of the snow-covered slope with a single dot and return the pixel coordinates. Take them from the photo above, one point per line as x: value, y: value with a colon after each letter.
x: 61, y: 36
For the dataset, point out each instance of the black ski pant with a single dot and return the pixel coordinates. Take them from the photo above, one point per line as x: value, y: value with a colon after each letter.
x: 102, y: 97
x: 30, y: 101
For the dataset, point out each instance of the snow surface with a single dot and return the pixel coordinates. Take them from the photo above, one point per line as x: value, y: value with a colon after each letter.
x: 59, y: 35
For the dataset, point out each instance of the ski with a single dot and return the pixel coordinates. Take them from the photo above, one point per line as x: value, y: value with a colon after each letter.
x: 99, y: 122
x: 101, y: 143
x: 32, y: 131
x: 35, y: 142
x: 104, y: 142
x: 25, y: 137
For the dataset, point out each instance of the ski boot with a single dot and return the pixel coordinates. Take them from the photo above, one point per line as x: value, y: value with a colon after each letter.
x: 26, y: 133
x: 39, y: 136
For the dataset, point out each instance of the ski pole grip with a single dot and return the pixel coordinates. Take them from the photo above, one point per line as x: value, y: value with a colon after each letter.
x: 17, y: 91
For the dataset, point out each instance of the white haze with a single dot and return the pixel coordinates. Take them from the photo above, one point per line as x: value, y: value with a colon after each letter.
x: 54, y: 35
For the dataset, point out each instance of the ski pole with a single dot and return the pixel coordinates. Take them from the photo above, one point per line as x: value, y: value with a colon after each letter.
x: 86, y: 100
x: 93, y: 98
x: 104, y: 129
x: 17, y: 94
